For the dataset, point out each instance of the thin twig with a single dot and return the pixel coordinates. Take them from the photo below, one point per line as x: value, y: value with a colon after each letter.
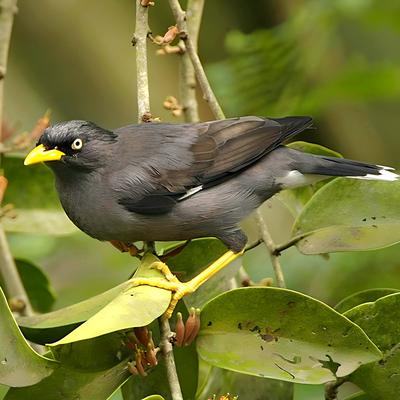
x: 142, y: 79
x: 14, y: 288
x: 187, y: 77
x: 167, y: 352
x: 143, y: 100
x: 269, y: 243
x: 332, y: 388
x: 209, y: 96
x: 12, y: 281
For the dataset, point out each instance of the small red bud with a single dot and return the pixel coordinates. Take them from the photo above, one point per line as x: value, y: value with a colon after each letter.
x: 170, y: 35
x: 142, y: 334
x: 179, y: 330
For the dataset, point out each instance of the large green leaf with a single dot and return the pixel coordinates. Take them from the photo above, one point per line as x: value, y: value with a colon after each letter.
x: 37, y: 207
x: 380, y: 321
x: 365, y: 296
x: 20, y: 365
x: 217, y: 381
x: 296, y: 199
x: 348, y: 215
x: 66, y: 383
x: 50, y: 327
x: 282, y: 334
x: 134, y: 306
x: 37, y: 286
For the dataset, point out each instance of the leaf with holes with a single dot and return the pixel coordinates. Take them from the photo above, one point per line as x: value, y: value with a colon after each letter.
x: 281, y: 334
x: 349, y: 215
x: 134, y: 306
x: 380, y: 321
x: 20, y: 365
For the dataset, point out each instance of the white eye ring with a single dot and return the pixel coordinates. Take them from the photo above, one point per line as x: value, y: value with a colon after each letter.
x: 77, y: 144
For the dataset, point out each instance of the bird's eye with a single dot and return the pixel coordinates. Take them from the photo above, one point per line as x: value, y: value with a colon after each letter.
x: 77, y: 144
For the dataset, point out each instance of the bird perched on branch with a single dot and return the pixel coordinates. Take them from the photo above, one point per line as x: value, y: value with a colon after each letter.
x: 162, y: 182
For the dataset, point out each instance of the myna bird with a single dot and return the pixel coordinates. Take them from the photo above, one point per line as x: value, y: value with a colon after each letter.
x: 163, y: 182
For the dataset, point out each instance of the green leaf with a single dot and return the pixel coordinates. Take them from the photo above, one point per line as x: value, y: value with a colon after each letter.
x: 134, y: 306
x: 66, y: 383
x: 296, y: 199
x: 348, y: 215
x: 50, y: 327
x: 20, y: 365
x: 380, y: 321
x: 153, y: 397
x: 32, y: 192
x: 220, y: 381
x: 365, y: 296
x: 195, y: 257
x: 281, y: 334
x: 358, y: 396
x: 37, y: 285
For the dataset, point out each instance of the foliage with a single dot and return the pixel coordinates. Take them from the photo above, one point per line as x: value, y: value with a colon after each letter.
x: 254, y: 342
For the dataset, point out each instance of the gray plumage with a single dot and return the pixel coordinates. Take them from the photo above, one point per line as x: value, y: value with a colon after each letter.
x: 165, y: 182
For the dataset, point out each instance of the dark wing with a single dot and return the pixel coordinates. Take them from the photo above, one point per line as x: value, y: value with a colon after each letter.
x: 172, y: 162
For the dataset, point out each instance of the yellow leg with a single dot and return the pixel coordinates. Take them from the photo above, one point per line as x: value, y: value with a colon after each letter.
x: 181, y: 289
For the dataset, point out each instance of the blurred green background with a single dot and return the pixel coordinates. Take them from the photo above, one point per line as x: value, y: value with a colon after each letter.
x: 338, y: 61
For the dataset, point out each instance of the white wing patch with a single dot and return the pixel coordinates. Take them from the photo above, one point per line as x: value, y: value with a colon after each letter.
x: 191, y: 192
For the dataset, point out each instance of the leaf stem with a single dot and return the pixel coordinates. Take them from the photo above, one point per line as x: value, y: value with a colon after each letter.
x: 191, y: 49
x: 331, y: 389
x: 167, y: 352
x: 269, y: 243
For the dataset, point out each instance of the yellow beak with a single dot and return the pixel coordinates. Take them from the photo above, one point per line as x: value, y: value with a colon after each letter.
x: 40, y: 154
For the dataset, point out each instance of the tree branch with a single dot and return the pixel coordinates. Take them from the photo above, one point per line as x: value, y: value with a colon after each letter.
x: 209, y: 96
x: 143, y: 100
x: 142, y: 79
x: 269, y: 243
x: 167, y: 352
x: 13, y: 285
x: 187, y: 77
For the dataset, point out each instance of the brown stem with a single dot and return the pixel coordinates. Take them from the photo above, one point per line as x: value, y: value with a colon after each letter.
x: 12, y: 281
x: 209, y: 96
x: 187, y: 76
x: 168, y: 354
x: 142, y: 79
x: 143, y: 101
x: 269, y: 243
x: 331, y: 389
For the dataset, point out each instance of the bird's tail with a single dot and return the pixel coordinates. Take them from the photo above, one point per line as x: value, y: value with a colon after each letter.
x: 332, y: 166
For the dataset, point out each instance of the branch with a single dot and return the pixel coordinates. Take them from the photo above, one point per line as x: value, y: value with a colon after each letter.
x: 167, y: 352
x: 14, y: 288
x: 209, y: 96
x: 332, y: 388
x: 142, y: 79
x: 187, y: 77
x: 143, y: 100
x: 13, y: 285
x: 269, y: 243
x: 7, y: 10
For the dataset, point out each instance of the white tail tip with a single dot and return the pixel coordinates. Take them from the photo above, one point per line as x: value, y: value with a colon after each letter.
x: 385, y: 174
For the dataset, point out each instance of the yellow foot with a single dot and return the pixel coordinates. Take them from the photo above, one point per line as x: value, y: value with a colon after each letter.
x: 181, y: 289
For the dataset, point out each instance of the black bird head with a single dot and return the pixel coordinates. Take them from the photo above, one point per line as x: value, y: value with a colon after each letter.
x: 72, y: 144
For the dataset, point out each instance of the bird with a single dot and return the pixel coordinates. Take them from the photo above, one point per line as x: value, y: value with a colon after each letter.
x: 170, y: 182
